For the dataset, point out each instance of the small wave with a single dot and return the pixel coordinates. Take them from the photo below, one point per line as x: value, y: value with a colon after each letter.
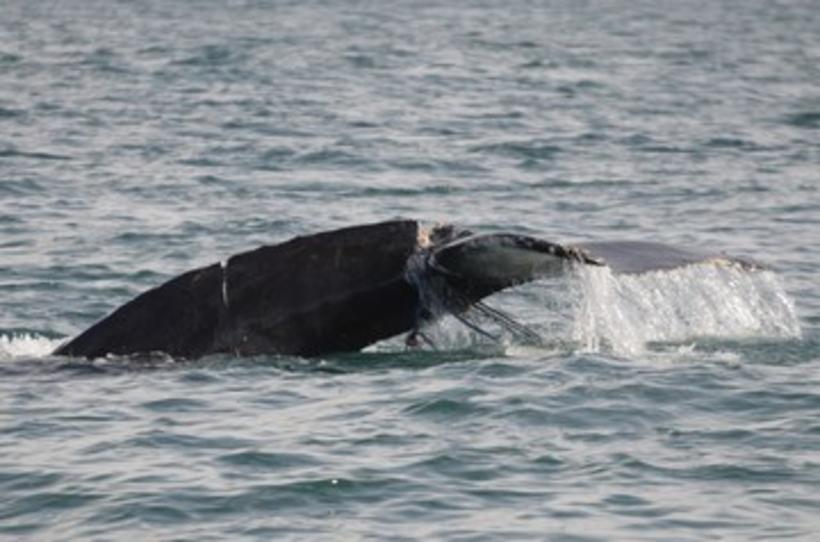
x: 21, y: 187
x: 13, y: 153
x: 361, y: 61
x: 6, y: 113
x: 26, y: 345
x: 330, y: 157
x: 211, y: 56
x: 520, y: 149
x: 10, y: 58
x: 733, y: 143
x: 806, y: 119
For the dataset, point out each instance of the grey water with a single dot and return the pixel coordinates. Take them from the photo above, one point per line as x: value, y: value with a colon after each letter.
x: 142, y: 139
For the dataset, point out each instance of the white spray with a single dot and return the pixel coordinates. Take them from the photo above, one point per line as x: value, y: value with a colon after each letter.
x: 623, y: 313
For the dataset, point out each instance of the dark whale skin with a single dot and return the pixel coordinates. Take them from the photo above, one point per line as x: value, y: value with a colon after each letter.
x: 336, y: 291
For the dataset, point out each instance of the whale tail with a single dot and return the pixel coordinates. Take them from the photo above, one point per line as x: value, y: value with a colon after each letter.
x: 497, y: 261
x: 461, y: 272
x: 341, y: 290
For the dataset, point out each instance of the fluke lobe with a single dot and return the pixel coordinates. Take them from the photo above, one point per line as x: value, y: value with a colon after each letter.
x: 341, y: 290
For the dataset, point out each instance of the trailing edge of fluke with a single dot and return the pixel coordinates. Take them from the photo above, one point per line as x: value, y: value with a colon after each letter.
x: 342, y: 290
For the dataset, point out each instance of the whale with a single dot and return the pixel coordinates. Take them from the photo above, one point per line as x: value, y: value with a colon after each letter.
x: 342, y: 290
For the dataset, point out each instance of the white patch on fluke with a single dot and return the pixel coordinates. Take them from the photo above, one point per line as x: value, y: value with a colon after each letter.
x: 423, y: 236
x: 224, y: 265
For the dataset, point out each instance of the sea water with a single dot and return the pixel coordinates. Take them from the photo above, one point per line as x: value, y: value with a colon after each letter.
x: 142, y: 139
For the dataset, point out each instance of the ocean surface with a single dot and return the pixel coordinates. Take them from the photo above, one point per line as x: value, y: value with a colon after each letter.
x: 142, y: 139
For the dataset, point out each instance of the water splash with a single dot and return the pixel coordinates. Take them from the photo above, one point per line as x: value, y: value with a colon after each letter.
x: 622, y: 313
x: 592, y: 309
x: 26, y: 345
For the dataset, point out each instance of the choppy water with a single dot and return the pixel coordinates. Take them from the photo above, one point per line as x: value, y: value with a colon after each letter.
x: 141, y: 139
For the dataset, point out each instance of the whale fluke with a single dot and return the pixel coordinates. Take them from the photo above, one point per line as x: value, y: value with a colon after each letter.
x: 342, y: 290
x: 636, y: 257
